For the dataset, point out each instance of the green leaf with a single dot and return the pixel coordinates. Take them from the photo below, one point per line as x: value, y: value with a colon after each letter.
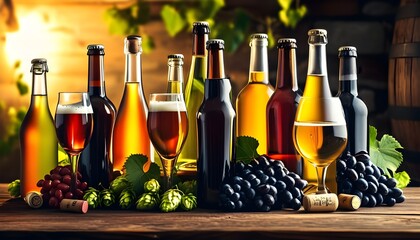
x: 402, y: 178
x: 140, y: 12
x: 134, y: 168
x: 246, y: 149
x: 173, y: 20
x: 384, y: 153
x: 22, y: 87
x: 147, y: 43
x: 120, y: 21
x: 285, y: 4
x: 211, y: 7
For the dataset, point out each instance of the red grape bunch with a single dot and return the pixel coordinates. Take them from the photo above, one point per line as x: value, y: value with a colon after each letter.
x: 56, y: 186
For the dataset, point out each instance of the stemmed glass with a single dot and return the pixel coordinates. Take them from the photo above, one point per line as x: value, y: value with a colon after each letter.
x: 320, y: 134
x: 74, y: 125
x: 167, y: 124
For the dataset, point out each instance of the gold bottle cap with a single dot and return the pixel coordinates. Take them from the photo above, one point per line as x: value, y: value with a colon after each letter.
x: 74, y: 205
x: 34, y: 199
x: 320, y: 202
x: 349, y: 202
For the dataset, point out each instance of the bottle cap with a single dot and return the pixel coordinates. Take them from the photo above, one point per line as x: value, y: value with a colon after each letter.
x: 201, y: 27
x: 95, y: 49
x: 215, y: 43
x: 39, y: 64
x: 317, y: 36
x: 320, y: 202
x: 258, y: 39
x: 286, y: 43
x: 259, y: 36
x: 347, y: 51
x: 74, y: 205
x: 132, y: 44
x: 176, y: 59
x: 34, y: 199
x: 176, y: 56
x: 349, y: 202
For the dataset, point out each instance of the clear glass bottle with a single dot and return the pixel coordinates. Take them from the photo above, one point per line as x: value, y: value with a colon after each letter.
x: 175, y: 73
x: 95, y: 163
x: 130, y: 131
x: 194, y: 94
x: 252, y: 99
x: 216, y: 129
x: 38, y: 141
x: 281, y: 108
x: 355, y: 110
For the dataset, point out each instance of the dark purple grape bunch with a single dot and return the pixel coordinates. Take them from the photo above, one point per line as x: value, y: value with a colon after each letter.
x: 357, y: 175
x: 56, y: 186
x: 262, y: 185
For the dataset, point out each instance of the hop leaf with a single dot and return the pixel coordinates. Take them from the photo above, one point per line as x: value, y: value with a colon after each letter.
x: 152, y: 186
x: 147, y: 201
x: 107, y: 198
x: 188, y: 202
x: 92, y: 197
x: 119, y: 184
x: 137, y: 174
x: 127, y: 198
x: 14, y: 188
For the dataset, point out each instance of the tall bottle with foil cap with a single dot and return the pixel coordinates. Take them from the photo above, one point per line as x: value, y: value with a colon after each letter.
x: 194, y: 94
x: 95, y: 162
x: 130, y: 131
x: 216, y: 129
x: 252, y: 99
x: 281, y: 108
x: 38, y: 141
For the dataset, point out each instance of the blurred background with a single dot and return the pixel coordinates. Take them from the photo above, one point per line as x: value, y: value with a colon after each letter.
x: 61, y: 30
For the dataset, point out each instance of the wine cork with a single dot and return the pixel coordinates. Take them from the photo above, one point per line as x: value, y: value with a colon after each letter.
x: 349, y: 202
x: 320, y: 202
x: 74, y: 205
x: 34, y: 199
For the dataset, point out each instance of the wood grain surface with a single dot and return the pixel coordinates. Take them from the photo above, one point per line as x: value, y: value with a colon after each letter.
x: 18, y: 221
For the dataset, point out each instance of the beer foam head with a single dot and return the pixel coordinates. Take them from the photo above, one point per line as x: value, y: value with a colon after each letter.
x: 165, y: 106
x: 77, y: 108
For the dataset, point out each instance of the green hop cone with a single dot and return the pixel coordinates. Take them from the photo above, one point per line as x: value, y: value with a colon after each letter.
x: 152, y: 186
x: 188, y: 202
x: 171, y: 200
x: 92, y: 197
x: 119, y: 184
x: 127, y: 198
x: 188, y: 187
x: 107, y: 198
x: 14, y: 188
x: 147, y: 201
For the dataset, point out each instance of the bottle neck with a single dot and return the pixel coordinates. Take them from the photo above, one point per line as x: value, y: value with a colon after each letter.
x: 286, y: 69
x: 215, y: 68
x: 348, y: 75
x: 258, y: 64
x: 175, y: 78
x: 317, y: 62
x: 96, y: 82
x: 133, y: 68
x: 39, y: 83
x: 199, y: 44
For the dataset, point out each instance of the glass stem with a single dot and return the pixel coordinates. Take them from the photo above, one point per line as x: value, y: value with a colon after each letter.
x: 321, y: 172
x: 168, y: 166
x: 74, y: 159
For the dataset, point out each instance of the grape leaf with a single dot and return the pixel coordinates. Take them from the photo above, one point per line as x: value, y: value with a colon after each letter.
x: 246, y: 149
x: 402, y: 178
x: 135, y: 172
x: 384, y: 153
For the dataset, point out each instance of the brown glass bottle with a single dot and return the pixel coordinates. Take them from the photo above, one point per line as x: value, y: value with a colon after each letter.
x: 216, y: 129
x: 281, y: 108
x: 95, y: 162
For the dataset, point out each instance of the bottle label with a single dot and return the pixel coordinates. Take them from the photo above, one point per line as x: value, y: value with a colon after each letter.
x: 348, y: 77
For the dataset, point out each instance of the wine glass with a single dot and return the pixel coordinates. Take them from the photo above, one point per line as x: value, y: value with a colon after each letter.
x: 74, y: 126
x: 320, y: 134
x: 167, y: 124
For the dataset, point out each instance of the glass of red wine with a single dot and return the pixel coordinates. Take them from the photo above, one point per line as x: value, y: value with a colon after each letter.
x: 74, y: 125
x: 167, y: 124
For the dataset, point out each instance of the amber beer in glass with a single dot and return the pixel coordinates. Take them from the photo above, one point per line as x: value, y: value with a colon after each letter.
x: 74, y: 126
x: 167, y: 124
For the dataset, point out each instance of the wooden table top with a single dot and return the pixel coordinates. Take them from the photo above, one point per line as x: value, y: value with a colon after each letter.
x: 19, y: 221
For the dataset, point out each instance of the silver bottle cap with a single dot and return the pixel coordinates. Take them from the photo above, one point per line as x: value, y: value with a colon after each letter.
x: 286, y: 43
x: 347, y: 51
x: 317, y: 36
x: 39, y: 64
x: 94, y: 49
